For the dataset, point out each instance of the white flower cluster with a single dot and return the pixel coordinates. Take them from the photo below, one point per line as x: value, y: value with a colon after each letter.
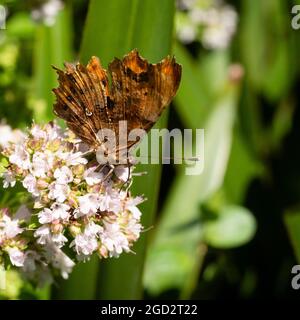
x: 8, y: 135
x: 36, y: 262
x: 210, y: 21
x: 47, y: 12
x: 76, y: 202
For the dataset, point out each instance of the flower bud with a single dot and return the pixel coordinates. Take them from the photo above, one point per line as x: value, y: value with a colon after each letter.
x: 78, y: 170
x: 103, y: 252
x: 56, y: 227
x: 54, y: 145
x: 75, y: 229
x: 42, y: 184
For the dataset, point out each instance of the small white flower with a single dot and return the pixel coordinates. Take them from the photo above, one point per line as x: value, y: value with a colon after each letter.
x: 134, y: 227
x: 131, y: 205
x: 63, y: 175
x: 59, y: 259
x: 8, y: 135
x: 16, y: 256
x: 40, y: 165
x: 92, y: 177
x: 57, y: 211
x: 20, y: 157
x: 92, y: 229
x: 9, y: 179
x: 10, y: 227
x: 38, y: 133
x: 53, y: 131
x: 114, y: 240
x: 72, y: 159
x: 43, y: 234
x: 58, y: 191
x: 187, y: 33
x: 111, y: 201
x: 122, y: 172
x: 89, y: 203
x: 85, y: 245
x: 45, y: 216
x: 64, y: 263
x: 59, y: 239
x: 60, y: 211
x: 29, y: 183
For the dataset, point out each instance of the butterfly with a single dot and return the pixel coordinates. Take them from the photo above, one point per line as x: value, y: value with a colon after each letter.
x: 89, y: 99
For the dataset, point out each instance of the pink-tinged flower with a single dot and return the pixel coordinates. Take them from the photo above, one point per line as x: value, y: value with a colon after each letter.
x: 59, y: 239
x: 123, y: 173
x: 63, y: 175
x: 131, y: 205
x: 38, y: 133
x: 53, y: 131
x: 111, y: 201
x: 85, y: 245
x: 40, y: 165
x: 9, y: 179
x: 9, y: 227
x: 16, y: 256
x: 89, y: 204
x: 60, y: 211
x: 114, y: 240
x: 29, y: 183
x: 20, y: 157
x: 61, y: 182
x: 92, y: 177
x: 134, y: 228
x: 92, y: 229
x: 58, y: 192
x: 87, y: 242
x: 43, y: 234
x: 8, y: 135
x: 45, y: 216
x: 59, y: 259
x: 57, y: 211
x: 72, y: 159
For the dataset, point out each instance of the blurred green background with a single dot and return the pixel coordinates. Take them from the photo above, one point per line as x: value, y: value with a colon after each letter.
x: 234, y: 230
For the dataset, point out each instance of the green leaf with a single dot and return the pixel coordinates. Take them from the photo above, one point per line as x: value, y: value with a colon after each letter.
x: 20, y: 25
x: 180, y: 228
x: 265, y: 46
x: 52, y: 47
x: 233, y: 227
x: 191, y: 101
x: 243, y: 158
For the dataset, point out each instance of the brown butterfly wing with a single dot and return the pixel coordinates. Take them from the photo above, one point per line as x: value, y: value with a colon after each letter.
x: 82, y: 99
x: 139, y: 93
x: 141, y: 90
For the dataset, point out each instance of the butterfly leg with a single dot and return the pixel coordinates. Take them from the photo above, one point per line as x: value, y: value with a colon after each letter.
x: 111, y: 170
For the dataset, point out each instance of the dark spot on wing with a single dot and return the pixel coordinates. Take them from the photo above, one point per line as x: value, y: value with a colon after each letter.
x: 110, y: 103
